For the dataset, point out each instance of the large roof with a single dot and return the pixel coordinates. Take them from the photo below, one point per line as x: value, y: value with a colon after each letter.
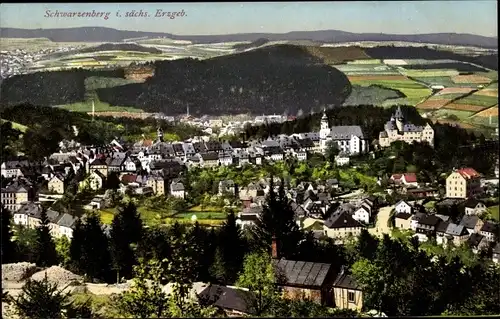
x: 345, y: 132
x: 301, y: 273
x: 228, y: 298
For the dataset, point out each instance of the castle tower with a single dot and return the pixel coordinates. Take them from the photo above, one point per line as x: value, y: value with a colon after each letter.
x: 398, y: 115
x: 325, y: 129
x: 159, y: 133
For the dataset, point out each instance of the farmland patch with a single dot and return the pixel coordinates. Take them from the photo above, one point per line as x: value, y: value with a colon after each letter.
x: 492, y: 111
x: 372, y: 95
x: 458, y: 66
x: 394, y: 62
x: 464, y: 107
x: 426, y: 73
x: 480, y: 100
x: 366, y: 61
x: 431, y: 104
x: 454, y: 91
x: 488, y: 92
x: 453, y: 114
x: 332, y: 55
x: 445, y: 81
x: 358, y: 78
x: 470, y: 78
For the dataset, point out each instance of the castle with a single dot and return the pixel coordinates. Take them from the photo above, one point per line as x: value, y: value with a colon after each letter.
x: 398, y: 130
x: 350, y: 139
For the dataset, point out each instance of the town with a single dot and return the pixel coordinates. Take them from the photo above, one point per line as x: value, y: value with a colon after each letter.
x: 163, y: 179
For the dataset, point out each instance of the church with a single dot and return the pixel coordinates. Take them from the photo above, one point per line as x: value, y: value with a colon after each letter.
x: 397, y: 129
x: 350, y: 139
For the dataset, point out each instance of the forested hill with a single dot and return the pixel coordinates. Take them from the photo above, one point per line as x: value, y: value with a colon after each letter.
x: 278, y: 79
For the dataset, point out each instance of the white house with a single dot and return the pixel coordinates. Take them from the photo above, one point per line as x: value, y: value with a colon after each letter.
x: 177, y: 190
x: 474, y: 207
x: 362, y: 214
x: 403, y: 207
x: 342, y: 159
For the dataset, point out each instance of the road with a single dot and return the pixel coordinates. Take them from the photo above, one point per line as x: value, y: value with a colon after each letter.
x: 381, y: 227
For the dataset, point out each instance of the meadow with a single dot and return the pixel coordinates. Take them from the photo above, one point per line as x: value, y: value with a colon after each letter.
x: 373, y: 94
x: 477, y: 99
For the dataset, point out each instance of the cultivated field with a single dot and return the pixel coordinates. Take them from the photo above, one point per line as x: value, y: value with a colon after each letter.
x: 446, y: 113
x: 491, y: 111
x: 428, y: 73
x: 488, y: 92
x: 471, y: 79
x: 479, y: 100
x: 432, y: 104
x: 447, y: 91
x: 464, y: 107
x: 37, y: 44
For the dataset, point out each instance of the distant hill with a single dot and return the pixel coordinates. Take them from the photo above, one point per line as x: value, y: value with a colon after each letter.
x: 109, y: 47
x: 100, y: 34
x: 254, y: 44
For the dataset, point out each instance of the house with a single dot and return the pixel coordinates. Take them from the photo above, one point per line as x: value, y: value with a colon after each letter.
x: 56, y: 184
x: 421, y: 192
x: 342, y: 159
x: 427, y: 227
x: 225, y: 159
x: 300, y: 279
x: 403, y: 221
x: 496, y: 253
x: 131, y: 164
x: 458, y: 234
x: 441, y: 232
x: 28, y: 209
x: 347, y: 292
x: 95, y: 181
x: 66, y: 225
x: 477, y: 242
x: 157, y: 184
x: 406, y: 179
x: 15, y: 194
x: 227, y: 187
x: 248, y: 216
x: 415, y: 219
x: 474, y: 207
x: 13, y: 169
x: 472, y: 223
x: 95, y: 203
x: 209, y: 159
x: 403, y: 207
x: 236, y: 302
x: 115, y: 164
x: 332, y: 183
x: 100, y: 165
x: 341, y: 224
x: 490, y: 231
x: 177, y: 189
x: 463, y: 183
x: 363, y: 214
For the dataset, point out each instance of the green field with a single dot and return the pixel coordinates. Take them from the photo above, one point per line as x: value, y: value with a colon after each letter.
x: 444, y: 113
x: 374, y: 95
x: 99, y: 107
x: 17, y: 126
x: 494, y: 211
x: 365, y: 69
x: 414, y: 91
x: 442, y: 80
x: 428, y: 73
x: 476, y: 99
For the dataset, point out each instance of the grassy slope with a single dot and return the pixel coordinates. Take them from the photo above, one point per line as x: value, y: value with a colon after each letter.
x: 17, y: 126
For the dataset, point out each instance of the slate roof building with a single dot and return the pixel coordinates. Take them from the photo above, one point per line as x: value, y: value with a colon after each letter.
x: 349, y: 139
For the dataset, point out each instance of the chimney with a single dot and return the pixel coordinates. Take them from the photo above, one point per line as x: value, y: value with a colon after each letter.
x: 274, y: 248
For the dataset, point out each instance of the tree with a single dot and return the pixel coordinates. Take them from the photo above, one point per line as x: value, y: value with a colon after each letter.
x: 42, y: 299
x: 131, y: 222
x: 218, y: 268
x: 8, y: 246
x: 260, y: 277
x: 121, y: 251
x: 89, y: 249
x: 145, y: 298
x: 332, y: 150
x: 277, y: 220
x: 45, y: 249
x: 63, y: 250
x: 113, y: 182
x: 232, y: 247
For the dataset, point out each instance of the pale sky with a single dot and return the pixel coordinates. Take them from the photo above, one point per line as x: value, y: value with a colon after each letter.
x: 397, y: 17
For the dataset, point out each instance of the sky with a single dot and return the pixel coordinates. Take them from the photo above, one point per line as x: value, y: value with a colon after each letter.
x: 397, y: 17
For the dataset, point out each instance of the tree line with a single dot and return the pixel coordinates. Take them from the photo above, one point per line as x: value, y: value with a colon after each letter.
x: 49, y: 88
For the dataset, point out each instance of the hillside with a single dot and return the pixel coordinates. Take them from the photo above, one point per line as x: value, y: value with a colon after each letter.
x: 271, y: 79
x: 100, y: 34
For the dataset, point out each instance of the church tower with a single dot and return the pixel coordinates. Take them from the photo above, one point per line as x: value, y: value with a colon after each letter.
x: 398, y: 115
x: 325, y: 129
x: 159, y: 133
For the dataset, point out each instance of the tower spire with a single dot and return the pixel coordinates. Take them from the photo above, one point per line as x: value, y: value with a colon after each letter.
x: 93, y: 110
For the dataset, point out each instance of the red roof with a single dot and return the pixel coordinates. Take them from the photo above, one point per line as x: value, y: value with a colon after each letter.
x: 147, y: 142
x: 410, y: 177
x: 396, y: 177
x: 468, y: 172
x: 129, y: 178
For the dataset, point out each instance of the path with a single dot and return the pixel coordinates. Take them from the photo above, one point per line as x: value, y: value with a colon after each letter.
x: 381, y: 227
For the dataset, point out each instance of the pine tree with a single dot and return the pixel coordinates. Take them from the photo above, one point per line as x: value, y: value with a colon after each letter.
x: 277, y: 220
x: 131, y: 222
x: 232, y: 247
x: 45, y: 248
x: 121, y: 252
x: 8, y: 246
x: 218, y: 268
x: 76, y: 248
x: 95, y: 249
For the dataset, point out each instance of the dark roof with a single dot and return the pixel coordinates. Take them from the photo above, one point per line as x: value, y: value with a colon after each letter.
x: 304, y: 274
x: 489, y: 227
x: 210, y: 156
x: 429, y: 220
x: 341, y: 220
x: 456, y: 230
x: 442, y: 226
x: 228, y: 298
x: 475, y: 239
x: 469, y: 221
x: 344, y: 280
x: 404, y: 216
x: 98, y: 161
